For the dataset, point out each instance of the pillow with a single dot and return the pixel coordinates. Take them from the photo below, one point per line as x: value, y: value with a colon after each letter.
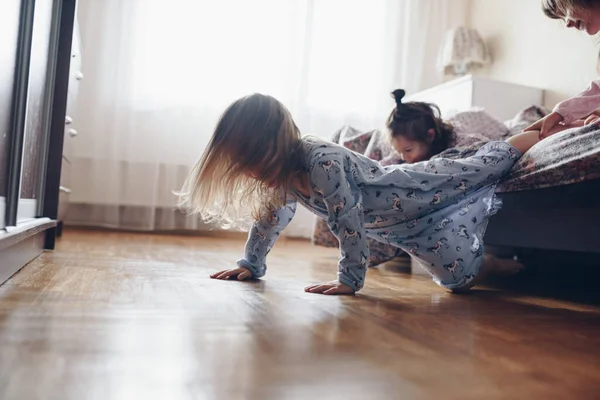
x: 470, y: 139
x: 525, y: 118
x: 372, y: 144
x: 353, y: 139
x: 379, y: 147
x: 478, y: 122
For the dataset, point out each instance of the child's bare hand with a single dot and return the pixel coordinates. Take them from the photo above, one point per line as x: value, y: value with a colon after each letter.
x: 545, y: 124
x: 333, y: 287
x: 240, y: 273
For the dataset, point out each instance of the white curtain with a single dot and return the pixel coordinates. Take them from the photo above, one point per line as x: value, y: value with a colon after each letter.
x: 158, y: 73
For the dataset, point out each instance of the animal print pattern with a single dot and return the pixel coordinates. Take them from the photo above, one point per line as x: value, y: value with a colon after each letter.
x: 262, y: 238
x: 436, y: 211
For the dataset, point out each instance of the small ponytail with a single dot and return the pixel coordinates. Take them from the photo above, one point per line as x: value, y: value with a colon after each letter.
x: 398, y: 95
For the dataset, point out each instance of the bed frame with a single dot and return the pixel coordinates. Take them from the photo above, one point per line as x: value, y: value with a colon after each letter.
x: 557, y: 218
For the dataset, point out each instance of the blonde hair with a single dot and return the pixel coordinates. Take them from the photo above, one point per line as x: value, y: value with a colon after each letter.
x: 246, y: 170
x: 559, y: 9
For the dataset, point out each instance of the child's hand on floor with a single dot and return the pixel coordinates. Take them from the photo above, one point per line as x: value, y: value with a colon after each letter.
x: 333, y: 287
x: 240, y: 273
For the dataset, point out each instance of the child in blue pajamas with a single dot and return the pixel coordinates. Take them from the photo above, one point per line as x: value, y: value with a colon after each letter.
x: 258, y: 166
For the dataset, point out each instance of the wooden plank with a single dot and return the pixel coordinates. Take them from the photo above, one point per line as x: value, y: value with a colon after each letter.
x: 117, y: 315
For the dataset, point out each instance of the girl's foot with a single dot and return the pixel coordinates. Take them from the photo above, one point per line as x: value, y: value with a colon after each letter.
x: 493, y: 265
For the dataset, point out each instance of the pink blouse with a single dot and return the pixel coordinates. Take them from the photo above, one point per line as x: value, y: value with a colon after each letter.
x: 581, y: 105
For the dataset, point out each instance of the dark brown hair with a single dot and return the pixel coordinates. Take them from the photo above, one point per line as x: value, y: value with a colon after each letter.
x: 413, y: 119
x: 558, y: 9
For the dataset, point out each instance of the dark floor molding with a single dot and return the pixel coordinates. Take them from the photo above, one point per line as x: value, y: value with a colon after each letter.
x: 20, y: 245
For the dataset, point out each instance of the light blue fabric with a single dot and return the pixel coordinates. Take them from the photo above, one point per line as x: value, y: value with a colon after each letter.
x: 437, y: 210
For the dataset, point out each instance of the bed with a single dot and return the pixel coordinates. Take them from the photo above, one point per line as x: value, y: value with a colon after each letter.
x: 551, y: 198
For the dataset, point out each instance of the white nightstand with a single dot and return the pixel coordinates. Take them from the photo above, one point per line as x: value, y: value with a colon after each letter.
x: 500, y: 99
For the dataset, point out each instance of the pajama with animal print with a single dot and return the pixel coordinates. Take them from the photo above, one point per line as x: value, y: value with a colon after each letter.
x: 437, y: 210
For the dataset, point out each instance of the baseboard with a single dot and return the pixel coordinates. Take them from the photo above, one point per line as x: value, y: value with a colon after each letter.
x: 2, y: 211
x: 21, y: 245
x: 27, y: 209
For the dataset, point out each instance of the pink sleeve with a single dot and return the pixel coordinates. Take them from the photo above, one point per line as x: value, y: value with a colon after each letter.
x: 581, y: 105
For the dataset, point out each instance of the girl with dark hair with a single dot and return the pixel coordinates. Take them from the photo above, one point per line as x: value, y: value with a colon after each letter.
x: 417, y: 131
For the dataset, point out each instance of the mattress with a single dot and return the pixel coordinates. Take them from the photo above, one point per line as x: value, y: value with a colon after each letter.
x: 566, y: 158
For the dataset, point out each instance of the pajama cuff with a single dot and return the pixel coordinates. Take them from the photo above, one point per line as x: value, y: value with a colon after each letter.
x: 567, y: 118
x: 499, y: 145
x: 348, y: 282
x: 257, y: 272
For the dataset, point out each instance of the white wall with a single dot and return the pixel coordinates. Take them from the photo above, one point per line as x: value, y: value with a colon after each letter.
x: 531, y: 49
x: 443, y: 15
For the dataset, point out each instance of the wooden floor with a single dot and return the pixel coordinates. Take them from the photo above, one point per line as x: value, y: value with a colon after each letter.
x: 127, y: 316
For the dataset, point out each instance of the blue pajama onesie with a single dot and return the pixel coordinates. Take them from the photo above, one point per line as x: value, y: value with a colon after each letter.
x: 437, y: 210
